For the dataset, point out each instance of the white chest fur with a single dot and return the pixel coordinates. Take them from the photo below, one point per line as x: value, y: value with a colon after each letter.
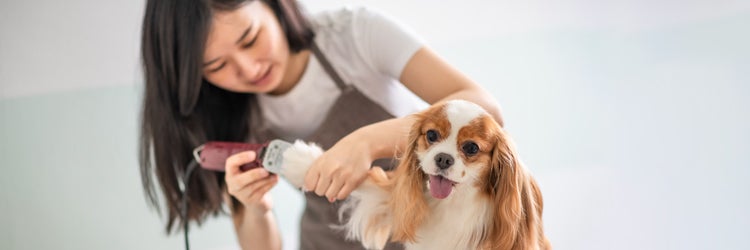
x: 456, y: 222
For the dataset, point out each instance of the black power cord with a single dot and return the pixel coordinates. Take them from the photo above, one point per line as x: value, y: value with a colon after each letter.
x: 184, y: 208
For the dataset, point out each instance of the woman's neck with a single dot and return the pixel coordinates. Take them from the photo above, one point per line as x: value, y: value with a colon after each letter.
x: 295, y: 69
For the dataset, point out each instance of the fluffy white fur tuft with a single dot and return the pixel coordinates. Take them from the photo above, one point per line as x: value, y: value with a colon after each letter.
x: 297, y: 160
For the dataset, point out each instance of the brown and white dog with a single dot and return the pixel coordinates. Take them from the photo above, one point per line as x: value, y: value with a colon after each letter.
x: 459, y: 185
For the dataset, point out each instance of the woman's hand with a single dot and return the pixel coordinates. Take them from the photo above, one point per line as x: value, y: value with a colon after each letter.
x: 249, y: 187
x: 342, y: 168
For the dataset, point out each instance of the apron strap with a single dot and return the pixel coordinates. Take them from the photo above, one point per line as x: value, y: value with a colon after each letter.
x: 328, y: 67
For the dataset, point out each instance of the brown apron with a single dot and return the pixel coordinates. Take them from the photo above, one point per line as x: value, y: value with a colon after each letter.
x: 349, y: 112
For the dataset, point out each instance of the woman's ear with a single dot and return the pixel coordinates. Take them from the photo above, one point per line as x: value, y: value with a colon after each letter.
x: 408, y: 205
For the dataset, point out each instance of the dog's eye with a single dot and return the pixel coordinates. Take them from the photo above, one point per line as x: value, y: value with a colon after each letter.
x: 432, y: 136
x: 470, y: 148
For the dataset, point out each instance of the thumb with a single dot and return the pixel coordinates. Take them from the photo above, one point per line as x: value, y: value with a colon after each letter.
x: 377, y: 174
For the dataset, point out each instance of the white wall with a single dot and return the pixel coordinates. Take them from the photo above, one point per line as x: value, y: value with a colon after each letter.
x: 50, y: 46
x: 633, y: 115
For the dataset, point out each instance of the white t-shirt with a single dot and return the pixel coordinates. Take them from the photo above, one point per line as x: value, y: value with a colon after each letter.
x: 368, y: 50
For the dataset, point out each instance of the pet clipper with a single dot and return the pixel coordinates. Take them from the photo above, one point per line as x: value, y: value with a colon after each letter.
x: 269, y: 155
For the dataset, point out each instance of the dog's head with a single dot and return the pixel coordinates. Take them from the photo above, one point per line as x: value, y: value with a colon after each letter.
x: 454, y: 146
x: 458, y: 146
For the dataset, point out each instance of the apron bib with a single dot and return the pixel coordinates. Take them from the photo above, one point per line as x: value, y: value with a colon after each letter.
x: 351, y: 111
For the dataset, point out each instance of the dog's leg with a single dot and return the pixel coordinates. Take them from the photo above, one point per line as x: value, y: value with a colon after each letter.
x: 370, y: 217
x: 370, y: 220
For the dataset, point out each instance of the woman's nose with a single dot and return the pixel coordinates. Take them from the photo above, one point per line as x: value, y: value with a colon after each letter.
x: 247, y: 68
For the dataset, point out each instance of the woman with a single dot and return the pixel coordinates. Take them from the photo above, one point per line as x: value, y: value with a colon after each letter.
x: 258, y: 70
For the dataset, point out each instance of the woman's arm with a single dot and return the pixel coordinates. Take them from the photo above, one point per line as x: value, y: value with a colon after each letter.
x: 434, y: 80
x: 252, y: 215
x: 256, y: 228
x: 430, y: 78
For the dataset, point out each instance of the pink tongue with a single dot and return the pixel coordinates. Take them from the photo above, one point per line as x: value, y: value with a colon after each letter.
x: 440, y: 187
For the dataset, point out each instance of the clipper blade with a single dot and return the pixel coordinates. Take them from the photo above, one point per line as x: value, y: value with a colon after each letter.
x: 272, y: 157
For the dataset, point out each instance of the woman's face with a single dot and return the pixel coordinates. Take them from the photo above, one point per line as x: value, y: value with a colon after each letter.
x: 246, y: 50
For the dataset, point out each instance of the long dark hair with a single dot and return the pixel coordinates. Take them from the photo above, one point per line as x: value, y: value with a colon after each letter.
x: 181, y: 110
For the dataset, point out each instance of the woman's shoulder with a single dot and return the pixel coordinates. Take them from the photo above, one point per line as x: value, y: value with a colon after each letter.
x: 342, y: 18
x: 339, y: 33
x: 381, y: 42
x: 349, y: 22
x: 361, y: 28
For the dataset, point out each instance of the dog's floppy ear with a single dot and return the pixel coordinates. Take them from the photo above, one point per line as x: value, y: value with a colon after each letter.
x: 408, y: 205
x: 517, y: 222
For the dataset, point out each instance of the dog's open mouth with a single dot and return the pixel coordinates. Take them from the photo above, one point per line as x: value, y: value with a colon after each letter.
x: 440, y: 187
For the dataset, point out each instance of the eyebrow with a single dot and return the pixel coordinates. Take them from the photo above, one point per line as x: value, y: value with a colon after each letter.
x: 242, y: 37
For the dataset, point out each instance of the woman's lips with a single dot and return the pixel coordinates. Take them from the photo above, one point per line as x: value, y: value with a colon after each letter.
x: 263, y: 79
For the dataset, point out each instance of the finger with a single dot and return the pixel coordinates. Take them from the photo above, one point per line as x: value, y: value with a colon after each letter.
x: 351, y: 184
x: 253, y: 187
x: 334, y: 189
x: 377, y: 175
x: 237, y: 182
x: 345, y: 191
x: 251, y: 176
x: 233, y: 163
x: 323, y: 184
x: 311, y: 179
x: 262, y: 190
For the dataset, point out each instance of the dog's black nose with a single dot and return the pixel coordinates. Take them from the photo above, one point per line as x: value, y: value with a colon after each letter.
x: 443, y: 160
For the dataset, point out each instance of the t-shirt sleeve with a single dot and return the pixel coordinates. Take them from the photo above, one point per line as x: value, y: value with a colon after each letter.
x: 383, y: 42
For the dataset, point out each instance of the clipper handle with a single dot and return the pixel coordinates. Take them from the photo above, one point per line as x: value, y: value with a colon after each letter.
x: 213, y: 155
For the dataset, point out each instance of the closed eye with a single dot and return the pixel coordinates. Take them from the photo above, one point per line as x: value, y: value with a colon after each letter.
x: 250, y: 43
x: 244, y: 46
x: 217, y: 68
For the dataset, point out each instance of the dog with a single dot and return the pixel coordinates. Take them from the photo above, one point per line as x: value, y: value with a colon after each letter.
x: 459, y: 184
